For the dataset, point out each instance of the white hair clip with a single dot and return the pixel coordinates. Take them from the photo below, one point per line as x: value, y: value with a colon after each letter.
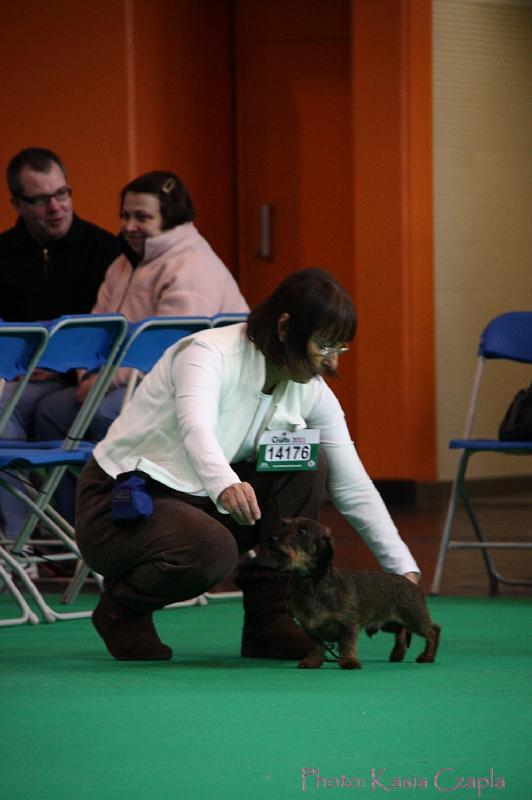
x: 168, y: 185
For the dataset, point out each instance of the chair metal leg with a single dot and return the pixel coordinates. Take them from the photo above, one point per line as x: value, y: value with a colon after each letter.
x: 27, y: 614
x: 201, y: 600
x: 447, y: 528
x: 39, y: 507
x: 63, y: 532
x: 74, y: 587
x: 488, y: 562
x: 16, y: 569
x: 459, y: 493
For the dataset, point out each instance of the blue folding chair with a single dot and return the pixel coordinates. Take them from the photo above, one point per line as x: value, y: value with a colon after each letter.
x: 220, y: 320
x: 87, y: 341
x: 146, y: 342
x: 144, y: 345
x: 508, y: 337
x: 21, y: 347
x: 148, y: 339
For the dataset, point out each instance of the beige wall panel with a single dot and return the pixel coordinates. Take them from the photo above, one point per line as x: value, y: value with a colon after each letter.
x: 482, y: 207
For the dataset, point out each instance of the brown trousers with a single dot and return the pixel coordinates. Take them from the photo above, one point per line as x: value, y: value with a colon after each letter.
x: 186, y: 546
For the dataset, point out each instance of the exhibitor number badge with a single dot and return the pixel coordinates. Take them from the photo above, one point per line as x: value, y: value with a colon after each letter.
x: 287, y: 450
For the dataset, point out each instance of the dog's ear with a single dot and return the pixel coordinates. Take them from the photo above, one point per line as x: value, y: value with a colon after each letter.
x: 325, y: 547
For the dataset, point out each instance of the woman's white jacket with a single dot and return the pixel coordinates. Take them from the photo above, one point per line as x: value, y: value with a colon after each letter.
x: 202, y: 405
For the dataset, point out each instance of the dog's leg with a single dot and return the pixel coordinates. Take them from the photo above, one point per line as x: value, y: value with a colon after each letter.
x: 400, y: 646
x: 347, y: 650
x: 432, y: 640
x: 314, y: 658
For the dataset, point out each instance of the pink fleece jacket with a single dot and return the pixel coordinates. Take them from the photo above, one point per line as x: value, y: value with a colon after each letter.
x: 180, y: 275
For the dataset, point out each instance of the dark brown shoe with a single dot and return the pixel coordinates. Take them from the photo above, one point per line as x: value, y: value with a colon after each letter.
x: 128, y: 638
x: 282, y: 639
x: 270, y: 630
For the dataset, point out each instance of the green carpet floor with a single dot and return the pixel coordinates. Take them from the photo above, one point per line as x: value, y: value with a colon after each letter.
x: 208, y: 724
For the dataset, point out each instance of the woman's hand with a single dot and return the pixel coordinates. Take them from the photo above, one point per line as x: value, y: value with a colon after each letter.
x: 43, y: 375
x: 412, y: 576
x: 240, y: 501
x: 84, y: 387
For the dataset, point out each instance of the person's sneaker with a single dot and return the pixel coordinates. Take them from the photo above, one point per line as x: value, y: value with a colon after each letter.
x: 30, y: 567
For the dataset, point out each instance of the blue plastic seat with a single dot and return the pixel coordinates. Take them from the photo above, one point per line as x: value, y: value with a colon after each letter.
x: 21, y: 347
x: 148, y: 339
x: 86, y: 341
x: 144, y: 344
x: 507, y: 337
x: 220, y: 320
x: 143, y: 347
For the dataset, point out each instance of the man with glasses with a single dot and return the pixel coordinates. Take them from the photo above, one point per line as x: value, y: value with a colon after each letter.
x: 51, y: 263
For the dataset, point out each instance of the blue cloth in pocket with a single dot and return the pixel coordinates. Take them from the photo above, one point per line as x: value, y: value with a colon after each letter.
x: 130, y: 498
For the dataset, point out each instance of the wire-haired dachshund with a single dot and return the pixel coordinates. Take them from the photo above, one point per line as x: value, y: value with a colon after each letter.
x: 332, y: 605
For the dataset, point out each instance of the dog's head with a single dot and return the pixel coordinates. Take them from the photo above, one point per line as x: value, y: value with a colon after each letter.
x: 303, y: 546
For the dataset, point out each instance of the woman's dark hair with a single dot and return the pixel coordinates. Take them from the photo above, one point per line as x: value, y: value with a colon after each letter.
x: 174, y: 198
x: 316, y: 303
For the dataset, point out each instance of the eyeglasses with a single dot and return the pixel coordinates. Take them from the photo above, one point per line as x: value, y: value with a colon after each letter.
x: 42, y: 200
x: 330, y: 350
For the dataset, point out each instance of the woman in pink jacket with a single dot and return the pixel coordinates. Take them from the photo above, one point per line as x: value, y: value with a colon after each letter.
x: 166, y: 269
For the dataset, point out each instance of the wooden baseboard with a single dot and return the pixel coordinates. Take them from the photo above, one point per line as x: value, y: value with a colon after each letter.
x: 434, y: 493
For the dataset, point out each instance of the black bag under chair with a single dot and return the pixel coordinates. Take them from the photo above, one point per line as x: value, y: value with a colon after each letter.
x: 517, y: 423
x: 507, y: 337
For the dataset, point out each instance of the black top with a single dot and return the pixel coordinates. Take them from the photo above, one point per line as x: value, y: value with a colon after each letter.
x: 41, y: 282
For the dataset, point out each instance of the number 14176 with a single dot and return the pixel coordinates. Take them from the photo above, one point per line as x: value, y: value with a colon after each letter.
x: 287, y: 452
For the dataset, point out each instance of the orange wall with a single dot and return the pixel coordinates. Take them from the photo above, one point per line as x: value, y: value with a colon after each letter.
x: 62, y: 77
x: 183, y: 110
x: 119, y: 87
x: 391, y: 69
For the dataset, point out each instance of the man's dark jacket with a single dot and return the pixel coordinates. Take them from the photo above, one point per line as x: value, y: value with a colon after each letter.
x: 41, y: 282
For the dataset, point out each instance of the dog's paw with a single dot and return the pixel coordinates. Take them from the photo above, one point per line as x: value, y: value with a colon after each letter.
x: 424, y: 659
x: 310, y: 663
x: 349, y: 663
x: 397, y: 654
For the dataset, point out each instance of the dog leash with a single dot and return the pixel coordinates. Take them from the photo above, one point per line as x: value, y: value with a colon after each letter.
x: 335, y: 656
